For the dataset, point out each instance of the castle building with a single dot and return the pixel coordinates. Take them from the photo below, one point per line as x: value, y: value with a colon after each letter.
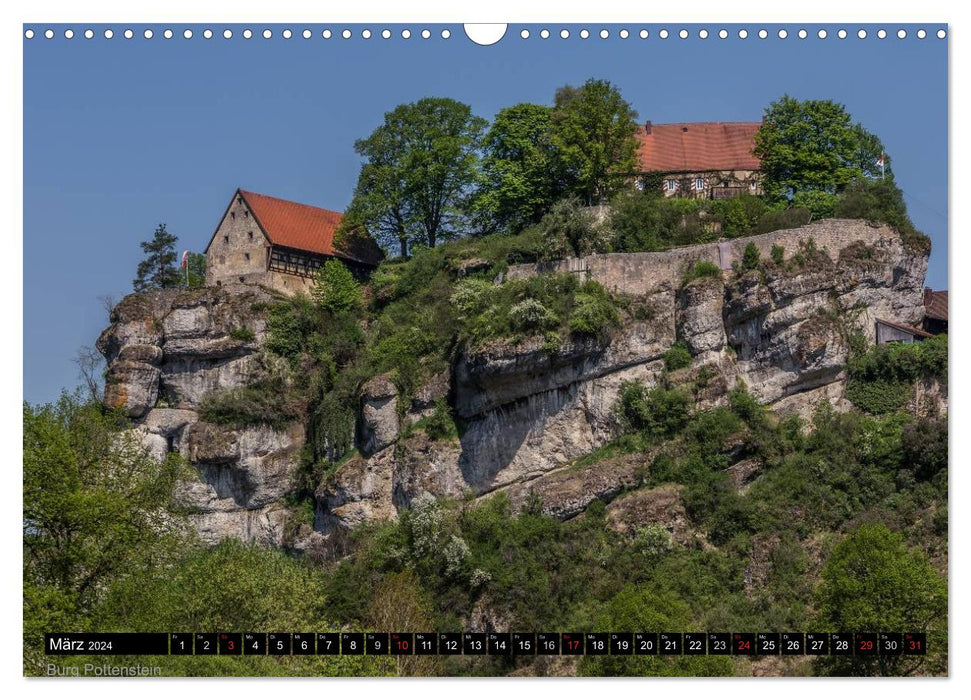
x: 702, y: 160
x: 281, y: 244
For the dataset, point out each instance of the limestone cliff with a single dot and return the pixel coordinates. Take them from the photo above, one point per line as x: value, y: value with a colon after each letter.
x: 525, y: 411
x: 165, y: 351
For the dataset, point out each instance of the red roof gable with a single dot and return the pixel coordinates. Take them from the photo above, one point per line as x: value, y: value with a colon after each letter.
x: 698, y: 147
x: 304, y: 227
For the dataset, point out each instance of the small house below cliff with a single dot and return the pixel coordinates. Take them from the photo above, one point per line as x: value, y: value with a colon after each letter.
x: 281, y: 244
x: 935, y: 311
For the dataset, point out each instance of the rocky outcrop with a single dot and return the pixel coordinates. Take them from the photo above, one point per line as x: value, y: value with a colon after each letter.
x: 525, y: 412
x: 379, y: 415
x: 165, y: 351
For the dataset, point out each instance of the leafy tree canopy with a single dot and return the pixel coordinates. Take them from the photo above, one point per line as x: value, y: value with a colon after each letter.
x: 593, y: 128
x: 336, y: 289
x: 813, y: 146
x: 420, y: 168
x: 522, y: 170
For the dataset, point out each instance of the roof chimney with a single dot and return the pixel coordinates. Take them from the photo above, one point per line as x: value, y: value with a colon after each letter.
x: 647, y: 127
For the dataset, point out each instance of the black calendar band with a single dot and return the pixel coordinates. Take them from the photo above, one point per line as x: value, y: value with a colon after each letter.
x: 486, y: 644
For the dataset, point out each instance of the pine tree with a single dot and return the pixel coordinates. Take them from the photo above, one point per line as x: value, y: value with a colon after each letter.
x: 158, y: 270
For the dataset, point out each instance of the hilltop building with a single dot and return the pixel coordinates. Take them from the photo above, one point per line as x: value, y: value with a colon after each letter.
x: 702, y: 160
x: 280, y: 244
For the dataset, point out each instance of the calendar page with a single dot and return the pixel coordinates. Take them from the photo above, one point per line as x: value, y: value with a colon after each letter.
x: 510, y: 350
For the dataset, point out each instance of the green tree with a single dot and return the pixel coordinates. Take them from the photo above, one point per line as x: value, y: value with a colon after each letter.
x: 594, y: 130
x: 420, y: 168
x: 522, y: 171
x: 92, y: 498
x: 197, y: 269
x: 750, y: 257
x: 232, y: 586
x: 812, y: 146
x: 873, y: 582
x: 158, y: 270
x: 335, y: 288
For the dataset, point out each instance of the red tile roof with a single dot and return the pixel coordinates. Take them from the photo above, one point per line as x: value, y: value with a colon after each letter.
x: 304, y: 227
x: 935, y: 304
x: 698, y: 147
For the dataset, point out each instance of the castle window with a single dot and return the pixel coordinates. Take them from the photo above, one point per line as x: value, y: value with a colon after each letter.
x: 246, y: 213
x: 232, y: 214
x: 250, y: 235
x: 247, y: 255
x: 240, y: 279
x: 239, y: 201
x: 225, y: 239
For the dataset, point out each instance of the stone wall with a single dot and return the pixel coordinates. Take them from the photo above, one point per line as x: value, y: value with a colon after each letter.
x: 637, y: 274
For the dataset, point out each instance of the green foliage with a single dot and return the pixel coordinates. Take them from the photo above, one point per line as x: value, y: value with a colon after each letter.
x: 197, y: 263
x: 812, y: 146
x: 232, y: 586
x: 568, y: 230
x: 441, y: 424
x: 659, y: 412
x: 873, y: 581
x: 882, y: 377
x: 644, y: 221
x: 594, y: 312
x: 268, y: 402
x: 419, y: 169
x: 556, y: 304
x: 639, y: 608
x: 740, y: 215
x: 593, y: 130
x: 820, y: 204
x: 91, y: 496
x: 530, y: 315
x: 158, y: 270
x: 782, y: 219
x: 335, y: 288
x: 522, y: 171
x: 677, y: 357
x: 703, y: 269
x: 881, y: 201
x: 924, y: 447
x: 242, y: 333
x: 750, y: 257
x: 778, y: 254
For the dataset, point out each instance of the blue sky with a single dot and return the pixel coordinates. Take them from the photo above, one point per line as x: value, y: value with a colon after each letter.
x: 120, y: 135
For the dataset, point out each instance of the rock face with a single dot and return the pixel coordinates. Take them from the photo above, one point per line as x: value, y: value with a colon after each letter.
x: 524, y: 412
x: 168, y: 349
